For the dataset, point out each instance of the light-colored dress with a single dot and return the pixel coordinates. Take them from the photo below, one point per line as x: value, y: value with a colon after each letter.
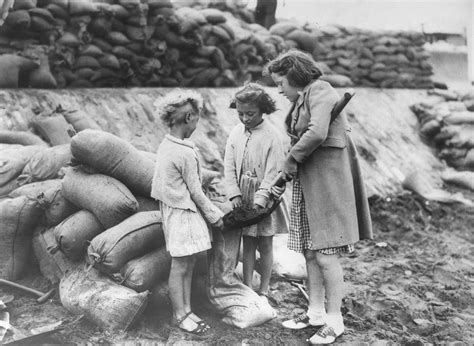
x: 177, y: 184
x: 252, y: 161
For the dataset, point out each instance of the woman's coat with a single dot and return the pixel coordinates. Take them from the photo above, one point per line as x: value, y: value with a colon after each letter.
x: 328, y: 168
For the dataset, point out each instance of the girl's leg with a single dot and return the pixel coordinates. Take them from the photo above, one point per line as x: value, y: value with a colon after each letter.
x: 249, y: 248
x: 178, y: 270
x: 188, y: 279
x: 316, y: 289
x: 265, y: 247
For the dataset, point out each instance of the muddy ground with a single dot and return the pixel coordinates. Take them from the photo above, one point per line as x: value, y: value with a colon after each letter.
x: 412, y: 284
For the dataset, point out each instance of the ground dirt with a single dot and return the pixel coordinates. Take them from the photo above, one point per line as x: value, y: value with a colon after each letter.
x: 413, y: 284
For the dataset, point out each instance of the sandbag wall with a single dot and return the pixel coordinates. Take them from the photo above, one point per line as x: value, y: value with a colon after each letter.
x: 447, y: 122
x: 122, y: 43
x: 84, y: 203
x: 363, y: 57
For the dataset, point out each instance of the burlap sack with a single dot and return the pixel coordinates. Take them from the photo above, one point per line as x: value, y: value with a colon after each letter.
x: 107, y: 198
x: 74, y: 233
x: 18, y: 217
x: 116, y: 157
x: 132, y: 238
x: 102, y: 301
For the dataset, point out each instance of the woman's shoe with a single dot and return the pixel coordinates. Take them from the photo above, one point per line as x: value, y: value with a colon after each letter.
x: 302, y: 321
x: 325, y: 335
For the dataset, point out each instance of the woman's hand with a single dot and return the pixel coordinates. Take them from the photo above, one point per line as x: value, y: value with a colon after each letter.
x: 236, y: 202
x: 289, y: 165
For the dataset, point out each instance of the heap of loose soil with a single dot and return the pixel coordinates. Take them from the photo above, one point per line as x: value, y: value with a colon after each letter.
x: 412, y: 284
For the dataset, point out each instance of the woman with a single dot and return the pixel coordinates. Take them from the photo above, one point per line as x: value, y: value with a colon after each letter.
x: 329, y: 211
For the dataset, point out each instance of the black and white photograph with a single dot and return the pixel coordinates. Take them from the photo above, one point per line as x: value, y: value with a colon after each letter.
x: 237, y: 172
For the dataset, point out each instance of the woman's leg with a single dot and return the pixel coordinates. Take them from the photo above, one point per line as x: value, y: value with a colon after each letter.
x: 316, y: 289
x: 249, y: 248
x: 265, y: 247
x: 331, y: 271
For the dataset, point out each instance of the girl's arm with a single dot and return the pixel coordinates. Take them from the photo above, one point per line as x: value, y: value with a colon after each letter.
x: 230, y: 172
x: 272, y: 162
x: 320, y: 103
x: 191, y: 178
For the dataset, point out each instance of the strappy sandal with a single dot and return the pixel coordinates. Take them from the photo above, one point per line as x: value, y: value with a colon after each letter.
x: 200, y: 321
x: 199, y: 330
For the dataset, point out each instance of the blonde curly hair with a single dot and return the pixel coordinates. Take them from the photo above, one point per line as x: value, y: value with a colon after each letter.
x: 168, y: 105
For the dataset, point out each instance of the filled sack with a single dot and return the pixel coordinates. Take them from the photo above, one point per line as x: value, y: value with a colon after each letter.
x: 132, y: 238
x: 75, y: 232
x: 18, y: 217
x: 107, y: 198
x: 101, y: 300
x: 142, y: 273
x: 115, y: 157
x: 55, y: 206
x: 45, y: 164
x: 53, y: 263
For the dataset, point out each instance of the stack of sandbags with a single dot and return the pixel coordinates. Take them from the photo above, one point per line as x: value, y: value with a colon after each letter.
x: 367, y: 58
x: 447, y: 122
x: 132, y: 43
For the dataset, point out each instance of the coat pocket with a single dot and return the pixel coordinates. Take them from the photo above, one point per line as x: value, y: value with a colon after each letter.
x: 334, y: 142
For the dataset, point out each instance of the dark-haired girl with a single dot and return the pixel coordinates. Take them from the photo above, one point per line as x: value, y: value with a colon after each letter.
x: 329, y: 211
x: 253, y: 157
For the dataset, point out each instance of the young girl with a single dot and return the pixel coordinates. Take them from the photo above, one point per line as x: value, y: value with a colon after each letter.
x: 177, y: 187
x: 253, y: 155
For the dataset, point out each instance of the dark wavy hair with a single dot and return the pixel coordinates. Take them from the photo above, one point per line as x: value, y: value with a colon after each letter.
x: 254, y: 93
x: 299, y: 68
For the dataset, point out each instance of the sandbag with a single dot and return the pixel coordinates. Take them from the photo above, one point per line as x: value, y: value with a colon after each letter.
x: 463, y: 136
x: 464, y: 179
x: 12, y: 161
x: 55, y: 206
x: 463, y: 117
x: 74, y: 233
x: 45, y: 164
x: 100, y: 300
x: 52, y: 128
x: 115, y: 157
x: 107, y: 198
x: 11, y: 67
x: 241, y: 306
x: 142, y: 273
x: 18, y: 217
x: 134, y: 237
x: 21, y: 137
x: 34, y: 189
x: 53, y: 263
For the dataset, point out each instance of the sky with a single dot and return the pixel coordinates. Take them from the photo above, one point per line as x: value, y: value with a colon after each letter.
x: 451, y: 16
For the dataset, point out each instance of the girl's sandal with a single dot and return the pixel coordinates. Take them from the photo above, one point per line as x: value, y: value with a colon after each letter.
x: 199, y: 321
x: 199, y: 330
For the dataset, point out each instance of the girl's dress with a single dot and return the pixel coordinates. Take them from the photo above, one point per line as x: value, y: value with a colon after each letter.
x: 177, y: 184
x: 252, y: 160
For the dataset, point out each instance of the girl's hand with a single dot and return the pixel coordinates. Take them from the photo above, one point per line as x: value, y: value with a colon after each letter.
x: 277, y: 191
x: 236, y: 202
x: 219, y: 224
